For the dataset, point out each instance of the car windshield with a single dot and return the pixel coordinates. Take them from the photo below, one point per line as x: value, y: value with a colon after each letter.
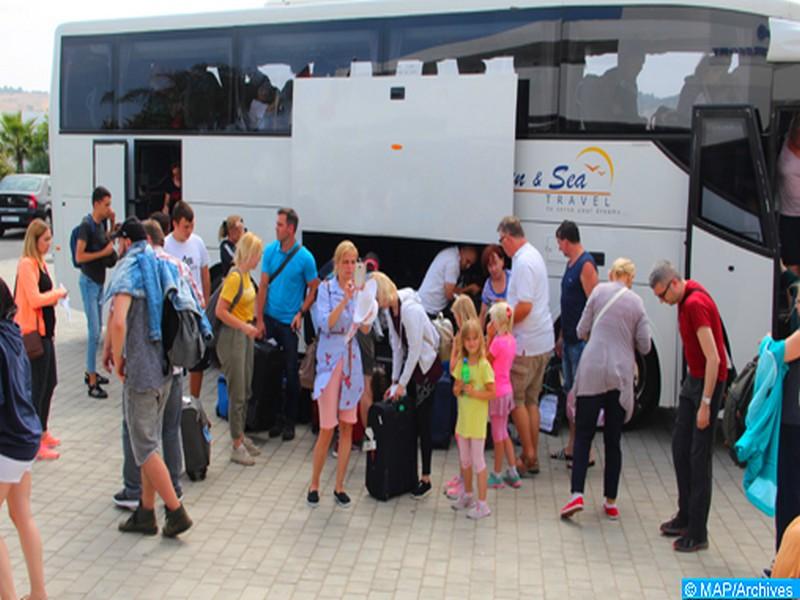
x: 20, y: 183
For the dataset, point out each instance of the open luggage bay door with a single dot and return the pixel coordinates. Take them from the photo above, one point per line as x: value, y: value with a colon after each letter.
x: 428, y: 157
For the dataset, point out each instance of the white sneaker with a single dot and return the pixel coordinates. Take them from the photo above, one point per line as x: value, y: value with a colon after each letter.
x: 464, y: 501
x: 251, y: 447
x: 240, y: 456
x: 479, y: 511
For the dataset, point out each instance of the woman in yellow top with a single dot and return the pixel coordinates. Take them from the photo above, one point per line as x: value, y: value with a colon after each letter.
x: 474, y: 387
x: 236, y: 312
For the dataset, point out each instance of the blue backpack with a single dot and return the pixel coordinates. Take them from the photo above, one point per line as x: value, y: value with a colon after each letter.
x: 73, y: 239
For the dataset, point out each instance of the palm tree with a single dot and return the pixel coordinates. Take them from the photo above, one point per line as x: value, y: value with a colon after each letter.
x: 17, y: 137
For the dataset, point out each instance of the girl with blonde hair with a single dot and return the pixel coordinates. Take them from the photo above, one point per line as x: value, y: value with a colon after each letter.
x: 36, y: 299
x: 236, y: 310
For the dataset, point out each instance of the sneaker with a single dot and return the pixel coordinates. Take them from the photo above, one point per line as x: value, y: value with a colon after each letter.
x: 687, y: 544
x: 572, y: 507
x: 612, y: 512
x: 95, y: 391
x: 673, y: 528
x: 141, y: 521
x: 496, y: 482
x: 275, y: 431
x: 177, y: 522
x: 251, y: 447
x: 312, y: 499
x: 479, y: 511
x: 454, y: 481
x: 455, y: 492
x: 49, y: 440
x: 342, y: 499
x: 512, y: 479
x: 46, y: 453
x: 100, y: 379
x: 241, y: 456
x: 126, y: 500
x: 463, y: 502
x: 287, y: 435
x: 422, y: 490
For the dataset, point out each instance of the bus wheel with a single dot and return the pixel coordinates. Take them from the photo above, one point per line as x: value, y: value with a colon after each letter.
x: 646, y: 388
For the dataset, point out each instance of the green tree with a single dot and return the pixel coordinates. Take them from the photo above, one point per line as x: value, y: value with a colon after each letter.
x: 16, y: 137
x: 5, y: 165
x: 39, y: 161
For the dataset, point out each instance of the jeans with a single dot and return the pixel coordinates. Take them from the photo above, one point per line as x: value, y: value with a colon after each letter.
x: 92, y: 296
x: 787, y: 500
x: 170, y: 441
x: 587, y: 408
x: 287, y: 340
x: 691, y: 454
x: 569, y: 362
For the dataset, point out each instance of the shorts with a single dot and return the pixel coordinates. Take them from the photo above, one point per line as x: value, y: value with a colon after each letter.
x: 366, y: 343
x: 527, y: 376
x: 330, y: 415
x: 204, y: 363
x: 789, y: 234
x: 569, y: 362
x: 144, y: 414
x: 12, y: 470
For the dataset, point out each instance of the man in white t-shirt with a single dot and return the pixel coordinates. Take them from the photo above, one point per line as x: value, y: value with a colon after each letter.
x: 439, y: 285
x: 182, y: 243
x: 528, y: 295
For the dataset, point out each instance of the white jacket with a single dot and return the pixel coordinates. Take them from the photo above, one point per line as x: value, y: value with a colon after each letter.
x: 423, y: 339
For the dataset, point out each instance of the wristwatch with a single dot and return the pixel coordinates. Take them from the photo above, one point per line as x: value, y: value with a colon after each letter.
x: 706, y: 400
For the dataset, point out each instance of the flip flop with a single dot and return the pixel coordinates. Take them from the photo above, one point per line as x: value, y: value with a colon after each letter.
x: 561, y: 455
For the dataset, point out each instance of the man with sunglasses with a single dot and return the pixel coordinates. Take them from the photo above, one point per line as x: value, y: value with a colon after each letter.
x: 700, y: 326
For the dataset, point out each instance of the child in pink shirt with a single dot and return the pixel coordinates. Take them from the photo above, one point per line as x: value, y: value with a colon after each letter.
x: 502, y: 348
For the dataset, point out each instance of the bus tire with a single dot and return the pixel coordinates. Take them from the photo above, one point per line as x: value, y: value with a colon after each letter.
x: 646, y: 388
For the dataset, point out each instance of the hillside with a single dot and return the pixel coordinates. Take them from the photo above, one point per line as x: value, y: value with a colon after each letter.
x: 32, y: 104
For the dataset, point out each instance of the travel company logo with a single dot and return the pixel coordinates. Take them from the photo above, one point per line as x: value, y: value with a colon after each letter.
x: 583, y: 186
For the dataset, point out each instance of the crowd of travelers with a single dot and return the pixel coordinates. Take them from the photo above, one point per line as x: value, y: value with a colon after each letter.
x: 503, y: 341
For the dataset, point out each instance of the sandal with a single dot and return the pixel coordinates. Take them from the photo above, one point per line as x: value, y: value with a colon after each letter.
x: 525, y: 469
x: 561, y: 455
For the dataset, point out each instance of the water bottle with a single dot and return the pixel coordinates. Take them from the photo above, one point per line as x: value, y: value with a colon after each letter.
x: 465, y: 372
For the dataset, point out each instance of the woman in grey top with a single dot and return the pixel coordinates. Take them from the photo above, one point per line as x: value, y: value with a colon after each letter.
x: 615, y: 323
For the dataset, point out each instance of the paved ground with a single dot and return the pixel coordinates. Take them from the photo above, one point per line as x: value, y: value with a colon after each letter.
x: 255, y: 538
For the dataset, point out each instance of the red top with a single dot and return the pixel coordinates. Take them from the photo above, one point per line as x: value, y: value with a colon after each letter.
x: 697, y: 310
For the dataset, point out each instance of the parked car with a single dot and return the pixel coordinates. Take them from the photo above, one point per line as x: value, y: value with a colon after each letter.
x: 23, y: 197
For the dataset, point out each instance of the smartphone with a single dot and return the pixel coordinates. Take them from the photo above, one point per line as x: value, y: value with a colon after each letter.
x: 361, y: 275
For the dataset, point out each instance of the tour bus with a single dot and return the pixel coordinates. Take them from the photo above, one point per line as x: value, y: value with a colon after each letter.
x: 407, y: 125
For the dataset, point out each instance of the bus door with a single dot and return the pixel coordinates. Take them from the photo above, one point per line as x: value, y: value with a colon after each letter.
x: 110, y: 161
x: 731, y: 234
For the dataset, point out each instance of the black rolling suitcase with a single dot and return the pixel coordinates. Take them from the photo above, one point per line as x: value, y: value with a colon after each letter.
x: 392, y: 464
x: 267, y: 388
x: 443, y: 413
x: 196, y: 438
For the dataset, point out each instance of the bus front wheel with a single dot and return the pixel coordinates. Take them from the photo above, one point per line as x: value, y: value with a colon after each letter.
x: 646, y: 388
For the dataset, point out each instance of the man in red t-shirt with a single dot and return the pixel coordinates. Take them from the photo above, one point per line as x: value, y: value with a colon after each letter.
x: 701, y: 331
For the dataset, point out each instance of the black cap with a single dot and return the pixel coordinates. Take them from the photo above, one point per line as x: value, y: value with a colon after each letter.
x: 132, y: 229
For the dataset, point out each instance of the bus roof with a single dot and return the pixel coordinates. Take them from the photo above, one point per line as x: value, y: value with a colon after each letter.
x: 322, y: 10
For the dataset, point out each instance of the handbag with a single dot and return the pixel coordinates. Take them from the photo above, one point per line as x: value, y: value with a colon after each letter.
x: 33, y: 342
x: 308, y: 366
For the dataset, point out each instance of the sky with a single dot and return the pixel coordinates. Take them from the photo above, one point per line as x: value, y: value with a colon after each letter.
x: 27, y: 29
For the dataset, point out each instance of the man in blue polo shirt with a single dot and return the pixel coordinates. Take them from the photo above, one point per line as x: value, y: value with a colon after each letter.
x: 288, y: 271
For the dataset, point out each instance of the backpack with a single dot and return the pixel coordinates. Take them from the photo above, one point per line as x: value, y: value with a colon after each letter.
x: 184, y: 345
x: 738, y: 398
x: 444, y: 328
x: 211, y: 307
x: 73, y: 239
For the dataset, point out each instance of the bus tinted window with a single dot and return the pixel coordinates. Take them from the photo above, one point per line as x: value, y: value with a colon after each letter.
x: 730, y: 197
x: 635, y: 69
x: 87, y: 91
x: 271, y: 57
x: 175, y: 82
x: 531, y: 37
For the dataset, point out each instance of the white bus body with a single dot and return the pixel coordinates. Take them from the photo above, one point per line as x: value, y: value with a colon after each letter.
x: 385, y: 155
